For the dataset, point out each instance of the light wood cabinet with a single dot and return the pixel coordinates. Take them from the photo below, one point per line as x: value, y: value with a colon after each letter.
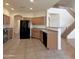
x: 38, y: 21
x: 49, y: 39
x: 6, y: 20
x: 52, y: 40
x: 36, y: 33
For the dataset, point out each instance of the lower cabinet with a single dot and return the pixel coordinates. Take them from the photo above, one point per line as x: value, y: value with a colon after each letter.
x: 50, y: 39
x: 36, y: 33
x: 7, y: 34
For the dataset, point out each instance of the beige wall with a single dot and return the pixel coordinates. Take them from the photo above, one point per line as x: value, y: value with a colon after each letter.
x: 71, y: 35
x: 6, y: 12
x: 17, y: 18
x: 15, y: 23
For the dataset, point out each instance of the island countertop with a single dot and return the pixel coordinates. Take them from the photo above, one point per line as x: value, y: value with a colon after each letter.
x: 47, y: 29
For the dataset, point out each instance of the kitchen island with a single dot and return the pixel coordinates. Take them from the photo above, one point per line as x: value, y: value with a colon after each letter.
x: 49, y: 37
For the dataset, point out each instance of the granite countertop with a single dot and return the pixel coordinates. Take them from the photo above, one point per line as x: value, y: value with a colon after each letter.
x: 46, y: 29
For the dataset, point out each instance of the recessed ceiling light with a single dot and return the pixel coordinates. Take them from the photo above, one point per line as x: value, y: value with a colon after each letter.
x: 7, y: 4
x: 30, y: 8
x: 31, y: 0
x: 12, y: 8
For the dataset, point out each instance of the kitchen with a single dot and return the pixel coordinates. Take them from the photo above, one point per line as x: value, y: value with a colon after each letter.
x: 30, y: 23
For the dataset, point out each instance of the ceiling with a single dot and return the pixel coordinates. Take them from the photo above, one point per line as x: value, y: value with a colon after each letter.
x: 66, y: 3
x: 24, y: 5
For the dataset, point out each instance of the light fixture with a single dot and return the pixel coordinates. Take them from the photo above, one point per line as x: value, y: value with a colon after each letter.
x: 30, y: 8
x: 12, y: 8
x: 7, y: 4
x: 31, y: 0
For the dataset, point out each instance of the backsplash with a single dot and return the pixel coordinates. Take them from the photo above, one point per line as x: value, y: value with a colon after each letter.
x: 38, y: 26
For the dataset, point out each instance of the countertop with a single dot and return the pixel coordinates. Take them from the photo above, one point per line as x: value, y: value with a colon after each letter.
x: 47, y: 30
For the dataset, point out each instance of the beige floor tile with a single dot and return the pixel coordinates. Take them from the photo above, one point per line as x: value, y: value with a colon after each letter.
x: 30, y: 49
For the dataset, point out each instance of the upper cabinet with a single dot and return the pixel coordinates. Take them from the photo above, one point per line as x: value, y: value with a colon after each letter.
x: 38, y: 21
x: 6, y: 20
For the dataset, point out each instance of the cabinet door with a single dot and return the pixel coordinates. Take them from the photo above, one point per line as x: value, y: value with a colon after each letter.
x: 36, y: 33
x: 33, y: 33
x: 52, y: 40
x: 38, y: 21
x: 6, y: 20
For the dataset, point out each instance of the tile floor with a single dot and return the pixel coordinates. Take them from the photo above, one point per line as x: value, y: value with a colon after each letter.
x: 30, y: 49
x: 68, y: 48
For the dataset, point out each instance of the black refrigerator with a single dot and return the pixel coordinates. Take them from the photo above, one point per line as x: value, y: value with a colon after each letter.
x: 24, y: 29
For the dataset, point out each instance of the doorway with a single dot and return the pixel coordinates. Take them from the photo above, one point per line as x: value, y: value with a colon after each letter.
x: 24, y: 29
